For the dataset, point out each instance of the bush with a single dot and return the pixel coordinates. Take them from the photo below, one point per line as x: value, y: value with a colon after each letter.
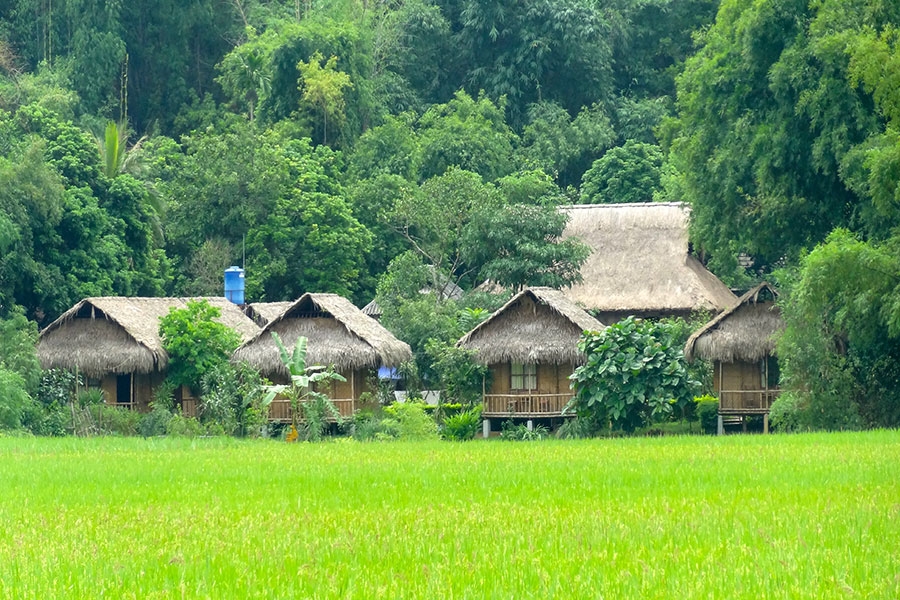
x: 784, y: 415
x: 180, y: 426
x: 576, y: 429
x: 707, y: 410
x: 462, y: 426
x: 154, y: 423
x: 520, y: 433
x: 368, y: 426
x: 14, y: 400
x: 113, y: 420
x: 410, y: 422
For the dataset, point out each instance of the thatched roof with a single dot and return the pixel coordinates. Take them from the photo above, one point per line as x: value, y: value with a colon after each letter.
x: 639, y: 262
x: 372, y: 309
x: 538, y: 325
x: 121, y: 335
x: 339, y: 334
x: 745, y: 332
x: 264, y: 312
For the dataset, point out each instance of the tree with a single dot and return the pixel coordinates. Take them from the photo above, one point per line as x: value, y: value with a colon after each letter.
x: 841, y: 345
x: 195, y: 342
x: 772, y: 128
x: 323, y: 86
x: 314, y: 406
x: 516, y: 246
x: 115, y: 157
x: 629, y: 173
x: 633, y: 375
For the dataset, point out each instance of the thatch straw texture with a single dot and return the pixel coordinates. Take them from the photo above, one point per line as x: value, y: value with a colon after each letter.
x: 339, y: 334
x: 264, y: 312
x: 640, y: 263
x: 745, y: 332
x: 372, y: 309
x: 121, y: 335
x: 538, y: 325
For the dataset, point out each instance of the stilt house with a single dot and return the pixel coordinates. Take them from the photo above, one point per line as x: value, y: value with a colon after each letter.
x: 338, y: 334
x: 530, y: 348
x: 114, y: 342
x: 741, y: 344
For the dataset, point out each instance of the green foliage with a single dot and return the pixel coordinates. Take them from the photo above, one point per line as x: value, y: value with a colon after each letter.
x: 14, y: 399
x: 323, y: 86
x: 517, y: 246
x: 18, y: 337
x: 315, y: 408
x: 785, y: 413
x: 776, y: 143
x: 707, y: 411
x: 111, y: 420
x: 156, y: 421
x: 233, y: 398
x: 840, y: 347
x: 460, y: 376
x: 512, y: 432
x: 634, y: 374
x: 577, y: 429
x: 408, y: 421
x: 463, y: 425
x: 195, y: 342
x: 629, y: 173
x: 467, y: 134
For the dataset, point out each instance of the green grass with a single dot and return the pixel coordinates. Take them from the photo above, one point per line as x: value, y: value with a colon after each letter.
x: 806, y: 516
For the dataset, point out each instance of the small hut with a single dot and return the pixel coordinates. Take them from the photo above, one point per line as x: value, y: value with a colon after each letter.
x: 640, y: 263
x: 339, y: 335
x: 530, y: 348
x: 741, y: 344
x: 114, y: 342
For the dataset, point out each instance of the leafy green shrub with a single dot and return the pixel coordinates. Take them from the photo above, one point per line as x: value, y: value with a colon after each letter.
x: 14, y: 400
x: 113, y: 420
x: 368, y: 426
x: 154, y: 423
x: 634, y: 374
x: 181, y: 426
x: 410, y: 422
x: 195, y: 342
x: 707, y: 411
x: 233, y: 398
x: 57, y: 387
x: 462, y: 426
x: 520, y: 433
x: 576, y: 429
x: 785, y: 413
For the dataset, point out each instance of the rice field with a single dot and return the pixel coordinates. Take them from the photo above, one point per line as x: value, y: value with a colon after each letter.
x: 805, y: 516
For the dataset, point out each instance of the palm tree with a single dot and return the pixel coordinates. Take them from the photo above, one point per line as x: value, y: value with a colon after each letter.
x: 115, y: 157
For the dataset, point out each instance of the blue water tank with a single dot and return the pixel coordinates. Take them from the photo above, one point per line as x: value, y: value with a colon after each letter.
x: 234, y: 284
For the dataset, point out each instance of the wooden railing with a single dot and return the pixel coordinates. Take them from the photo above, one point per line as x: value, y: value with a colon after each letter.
x: 525, y: 405
x: 280, y: 409
x: 746, y: 401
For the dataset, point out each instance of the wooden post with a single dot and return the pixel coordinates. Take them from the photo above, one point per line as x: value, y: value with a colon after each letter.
x: 486, y: 428
x: 766, y: 423
x: 720, y: 430
x: 352, y: 391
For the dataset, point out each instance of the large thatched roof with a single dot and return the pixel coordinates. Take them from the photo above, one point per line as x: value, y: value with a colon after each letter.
x: 538, y: 325
x: 745, y: 332
x: 264, y: 312
x: 339, y: 334
x: 640, y: 263
x: 121, y: 335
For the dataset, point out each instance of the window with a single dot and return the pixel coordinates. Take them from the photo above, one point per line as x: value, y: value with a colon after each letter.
x: 523, y: 377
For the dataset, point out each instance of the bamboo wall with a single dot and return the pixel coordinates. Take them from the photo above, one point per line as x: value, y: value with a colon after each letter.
x: 551, y: 379
x: 742, y: 387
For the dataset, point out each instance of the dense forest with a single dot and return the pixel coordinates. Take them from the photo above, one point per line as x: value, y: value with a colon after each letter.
x: 353, y: 145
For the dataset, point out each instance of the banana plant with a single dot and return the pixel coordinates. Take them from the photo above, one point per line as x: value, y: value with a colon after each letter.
x: 315, y: 406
